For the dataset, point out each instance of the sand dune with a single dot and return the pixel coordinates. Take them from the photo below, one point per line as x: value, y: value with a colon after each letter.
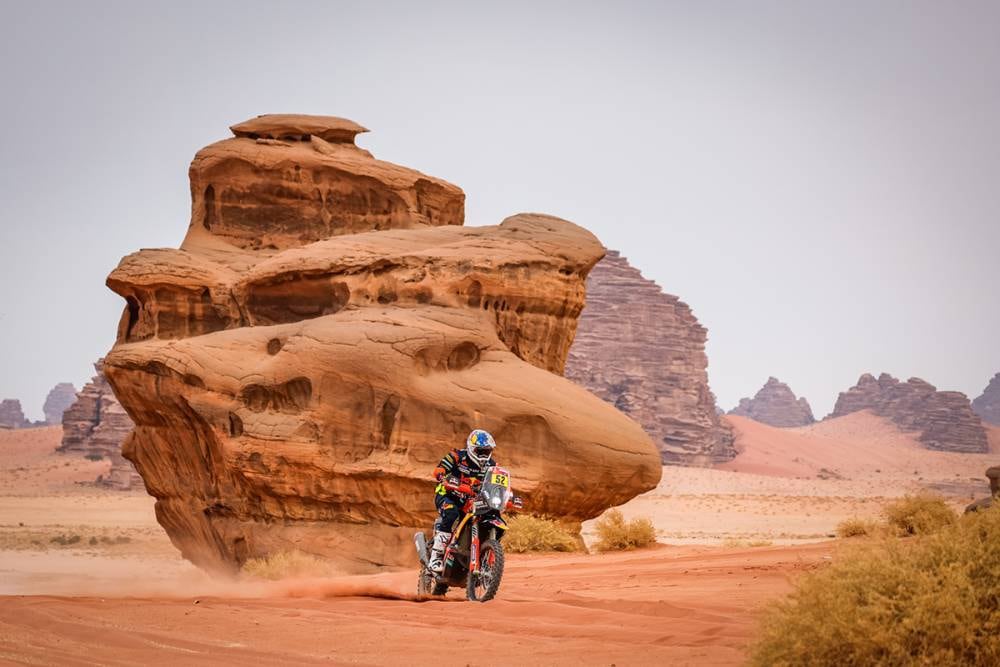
x: 858, y: 445
x: 29, y: 463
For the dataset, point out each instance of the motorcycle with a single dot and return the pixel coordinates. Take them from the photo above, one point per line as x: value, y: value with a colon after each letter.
x: 474, y: 556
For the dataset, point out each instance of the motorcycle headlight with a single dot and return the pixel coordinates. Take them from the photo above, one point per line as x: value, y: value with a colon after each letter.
x: 496, y: 500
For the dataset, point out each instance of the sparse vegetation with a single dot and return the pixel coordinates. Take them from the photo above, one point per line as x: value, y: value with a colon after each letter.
x: 934, y: 600
x: 734, y: 543
x: 855, y: 527
x: 615, y: 534
x: 918, y: 515
x: 531, y: 533
x: 65, y: 540
x: 94, y: 457
x: 286, y: 565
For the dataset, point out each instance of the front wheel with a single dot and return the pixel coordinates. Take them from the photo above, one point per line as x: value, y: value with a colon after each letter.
x: 485, y: 582
x: 426, y: 584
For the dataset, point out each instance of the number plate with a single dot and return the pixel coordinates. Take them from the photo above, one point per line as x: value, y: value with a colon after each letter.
x: 500, y: 479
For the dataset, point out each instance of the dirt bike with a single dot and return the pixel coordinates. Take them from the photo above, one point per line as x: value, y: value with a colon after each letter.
x: 474, y: 556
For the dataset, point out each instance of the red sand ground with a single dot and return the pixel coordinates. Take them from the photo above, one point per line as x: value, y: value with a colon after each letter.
x: 681, y: 605
x: 137, y: 602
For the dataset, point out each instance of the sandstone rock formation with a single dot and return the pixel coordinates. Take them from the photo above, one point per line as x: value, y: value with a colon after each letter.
x: 944, y: 419
x: 644, y: 352
x: 775, y: 404
x: 287, y: 180
x: 987, y: 405
x: 328, y: 331
x: 58, y: 401
x: 96, y: 424
x: 11, y: 414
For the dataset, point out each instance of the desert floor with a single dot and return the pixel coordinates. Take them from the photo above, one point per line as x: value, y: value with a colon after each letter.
x: 88, y: 577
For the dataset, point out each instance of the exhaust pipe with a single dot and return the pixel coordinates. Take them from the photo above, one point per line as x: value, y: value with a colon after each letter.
x: 421, y: 543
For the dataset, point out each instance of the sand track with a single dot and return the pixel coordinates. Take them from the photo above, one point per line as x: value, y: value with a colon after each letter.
x: 678, y: 605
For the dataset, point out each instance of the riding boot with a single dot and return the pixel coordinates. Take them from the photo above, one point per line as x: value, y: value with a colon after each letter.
x: 441, y: 540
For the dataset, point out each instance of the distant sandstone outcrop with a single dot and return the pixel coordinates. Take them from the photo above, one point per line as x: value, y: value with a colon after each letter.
x: 987, y: 405
x: 58, y: 401
x: 643, y: 351
x: 943, y: 419
x: 95, y: 425
x: 775, y: 404
x: 11, y: 415
x: 328, y: 330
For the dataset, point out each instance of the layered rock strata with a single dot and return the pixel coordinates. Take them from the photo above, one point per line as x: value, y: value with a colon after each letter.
x: 943, y: 419
x: 328, y: 331
x: 286, y: 180
x: 987, y: 404
x: 775, y: 404
x: 57, y: 402
x: 643, y: 351
x: 96, y: 425
x: 11, y: 414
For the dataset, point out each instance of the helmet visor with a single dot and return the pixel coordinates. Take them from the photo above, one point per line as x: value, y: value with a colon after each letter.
x: 482, y: 452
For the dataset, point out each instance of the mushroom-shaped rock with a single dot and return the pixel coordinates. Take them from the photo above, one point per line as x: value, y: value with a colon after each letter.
x: 297, y: 393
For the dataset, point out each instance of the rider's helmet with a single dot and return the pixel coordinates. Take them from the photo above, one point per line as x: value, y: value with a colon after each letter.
x: 480, y: 446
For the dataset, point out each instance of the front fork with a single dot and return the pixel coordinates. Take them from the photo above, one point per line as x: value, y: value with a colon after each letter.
x: 474, y: 549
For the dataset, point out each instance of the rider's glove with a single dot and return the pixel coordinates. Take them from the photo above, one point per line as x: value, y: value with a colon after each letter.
x: 466, y: 489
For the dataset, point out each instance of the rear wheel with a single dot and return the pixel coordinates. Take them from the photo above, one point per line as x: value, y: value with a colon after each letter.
x: 483, y: 585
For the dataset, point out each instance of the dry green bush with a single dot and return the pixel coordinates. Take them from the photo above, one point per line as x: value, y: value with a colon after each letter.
x: 918, y: 515
x: 286, y: 565
x: 934, y: 600
x: 531, y: 533
x: 855, y: 527
x: 735, y: 543
x: 615, y: 534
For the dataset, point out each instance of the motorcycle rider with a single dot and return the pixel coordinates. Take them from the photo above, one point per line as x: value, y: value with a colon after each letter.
x: 457, y: 474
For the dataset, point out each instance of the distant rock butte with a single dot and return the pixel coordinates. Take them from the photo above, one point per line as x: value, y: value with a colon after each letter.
x: 96, y: 424
x: 987, y: 405
x: 59, y: 399
x: 11, y: 415
x: 943, y: 419
x: 328, y: 331
x: 775, y: 404
x: 643, y: 351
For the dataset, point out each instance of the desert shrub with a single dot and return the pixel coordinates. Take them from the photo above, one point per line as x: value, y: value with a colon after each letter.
x: 531, y: 533
x: 66, y: 540
x: 735, y: 543
x: 918, y: 515
x: 616, y: 534
x: 930, y: 601
x: 94, y: 457
x: 855, y: 527
x: 286, y: 565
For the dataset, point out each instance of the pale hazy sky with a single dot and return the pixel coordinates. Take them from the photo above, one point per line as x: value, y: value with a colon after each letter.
x: 820, y: 181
